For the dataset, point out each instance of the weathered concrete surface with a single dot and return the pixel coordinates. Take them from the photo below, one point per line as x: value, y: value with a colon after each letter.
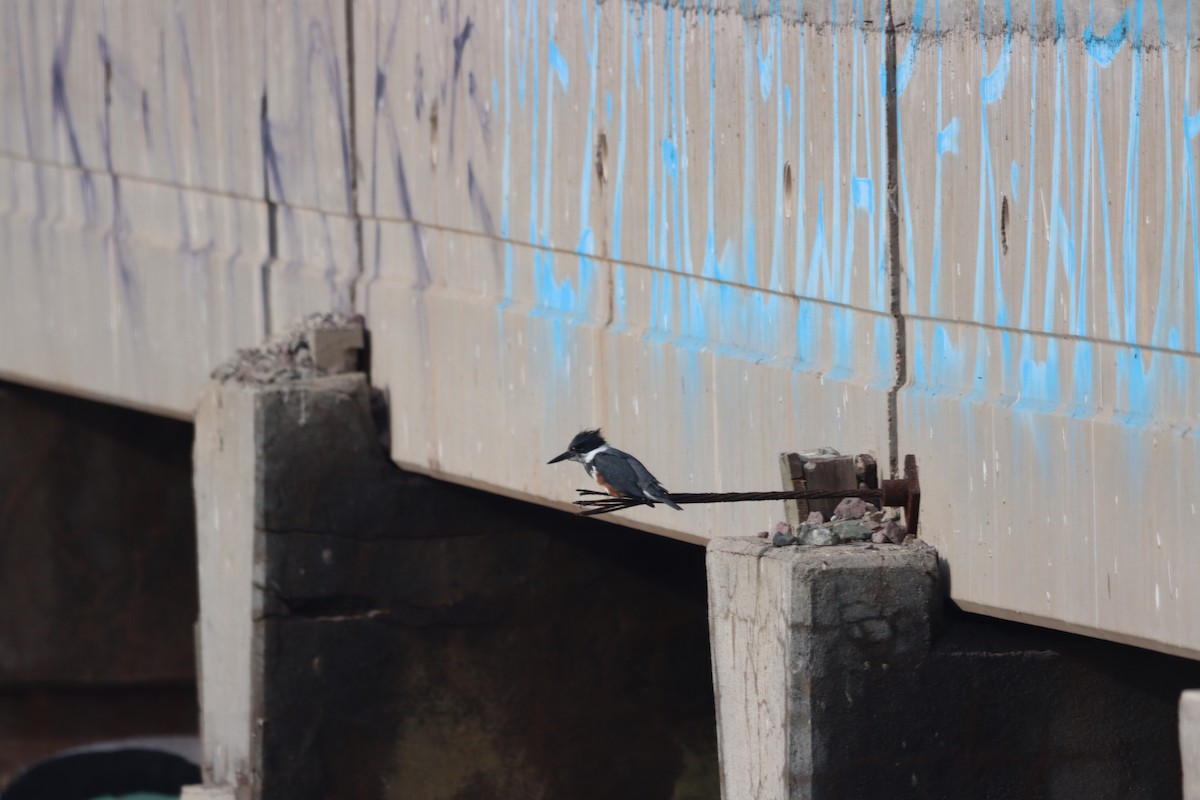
x: 836, y: 676
x: 808, y: 644
x: 1189, y: 743
x: 658, y: 242
x: 367, y: 632
x: 97, y: 576
x: 1052, y: 348
x: 225, y: 469
x: 207, y: 792
x: 674, y: 220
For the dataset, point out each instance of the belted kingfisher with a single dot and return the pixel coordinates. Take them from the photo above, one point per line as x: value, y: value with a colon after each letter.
x: 619, y: 473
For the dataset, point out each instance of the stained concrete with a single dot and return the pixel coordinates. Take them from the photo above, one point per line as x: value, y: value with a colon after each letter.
x: 811, y: 646
x: 839, y: 674
x: 719, y: 230
x: 371, y: 633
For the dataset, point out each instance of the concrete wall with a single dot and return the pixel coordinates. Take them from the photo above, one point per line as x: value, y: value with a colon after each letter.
x: 719, y: 229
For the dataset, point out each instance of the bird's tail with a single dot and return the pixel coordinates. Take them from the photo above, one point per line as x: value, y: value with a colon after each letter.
x: 659, y: 495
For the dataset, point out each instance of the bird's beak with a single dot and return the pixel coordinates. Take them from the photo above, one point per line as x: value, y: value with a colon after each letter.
x: 560, y: 457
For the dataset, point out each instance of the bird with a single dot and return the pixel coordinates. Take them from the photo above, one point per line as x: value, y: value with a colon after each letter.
x: 617, y: 472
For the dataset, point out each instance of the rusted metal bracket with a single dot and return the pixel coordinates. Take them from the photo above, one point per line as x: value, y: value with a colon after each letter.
x: 905, y: 492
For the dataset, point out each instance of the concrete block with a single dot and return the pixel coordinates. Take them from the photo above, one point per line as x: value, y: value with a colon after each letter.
x: 336, y: 349
x: 816, y: 656
x: 1189, y: 743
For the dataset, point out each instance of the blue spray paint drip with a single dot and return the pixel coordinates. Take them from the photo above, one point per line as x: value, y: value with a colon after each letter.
x: 558, y: 301
x: 1191, y: 125
x: 638, y: 37
x: 818, y: 262
x: 559, y: 65
x: 710, y: 240
x: 506, y: 169
x: 1134, y: 376
x: 808, y: 336
x: 775, y: 280
x: 1131, y: 225
x: 749, y: 166
x: 1014, y: 176
x: 904, y: 69
x: 1039, y: 390
x: 608, y: 105
x: 1082, y: 401
x: 765, y: 62
x: 787, y: 102
x: 882, y: 370
x: 991, y: 86
x: 937, y: 365
x: 935, y: 270
x: 619, y: 186
x: 863, y: 192
x: 1103, y: 49
x: 949, y: 362
x: 843, y: 343
x: 680, y: 123
x: 947, y: 138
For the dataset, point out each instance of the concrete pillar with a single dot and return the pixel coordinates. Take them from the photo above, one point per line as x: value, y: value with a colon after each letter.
x: 251, y: 441
x: 1189, y: 742
x: 227, y: 538
x: 815, y: 654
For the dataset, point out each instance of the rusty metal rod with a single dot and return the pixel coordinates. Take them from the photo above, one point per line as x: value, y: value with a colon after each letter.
x: 605, y: 503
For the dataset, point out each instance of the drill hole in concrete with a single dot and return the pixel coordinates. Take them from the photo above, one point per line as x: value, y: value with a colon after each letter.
x: 787, y: 189
x: 602, y: 157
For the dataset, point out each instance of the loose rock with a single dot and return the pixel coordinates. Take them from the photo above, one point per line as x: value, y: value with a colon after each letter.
x: 852, y: 530
x: 850, y: 508
x: 893, y: 532
x: 823, y: 536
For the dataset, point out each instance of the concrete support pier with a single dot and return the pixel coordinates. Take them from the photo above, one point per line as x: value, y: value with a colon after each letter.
x: 254, y: 442
x: 370, y: 633
x: 841, y: 672
x: 815, y: 655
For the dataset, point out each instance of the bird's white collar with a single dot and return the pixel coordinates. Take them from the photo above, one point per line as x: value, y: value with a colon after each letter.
x: 589, y: 455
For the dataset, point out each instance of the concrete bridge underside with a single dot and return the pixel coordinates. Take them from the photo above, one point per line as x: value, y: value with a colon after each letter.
x: 719, y: 231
